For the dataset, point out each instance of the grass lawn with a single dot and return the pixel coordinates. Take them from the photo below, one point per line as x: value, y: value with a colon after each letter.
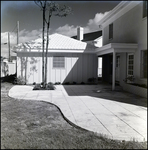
x: 27, y: 124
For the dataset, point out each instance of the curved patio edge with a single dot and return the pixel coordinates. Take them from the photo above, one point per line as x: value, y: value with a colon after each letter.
x: 64, y: 106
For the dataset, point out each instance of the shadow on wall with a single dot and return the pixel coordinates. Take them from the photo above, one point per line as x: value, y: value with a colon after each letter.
x: 103, y: 90
x: 24, y: 67
x: 81, y: 67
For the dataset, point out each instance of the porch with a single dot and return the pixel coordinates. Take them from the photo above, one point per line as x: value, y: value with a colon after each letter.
x: 114, y: 50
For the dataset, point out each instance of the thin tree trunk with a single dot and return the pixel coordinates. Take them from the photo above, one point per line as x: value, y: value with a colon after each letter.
x: 26, y: 63
x: 47, y: 43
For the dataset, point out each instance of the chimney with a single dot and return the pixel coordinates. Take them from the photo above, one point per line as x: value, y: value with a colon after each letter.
x: 80, y: 33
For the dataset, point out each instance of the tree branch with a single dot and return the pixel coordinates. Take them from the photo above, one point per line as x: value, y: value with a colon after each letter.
x: 36, y: 2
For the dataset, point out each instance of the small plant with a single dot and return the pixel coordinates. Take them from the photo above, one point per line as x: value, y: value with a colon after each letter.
x: 42, y: 83
x: 74, y: 82
x: 91, y: 80
x: 20, y: 81
x: 50, y: 83
x: 34, y: 83
x: 57, y: 83
x: 48, y: 86
x: 37, y: 87
x: 82, y: 83
x: 129, y: 79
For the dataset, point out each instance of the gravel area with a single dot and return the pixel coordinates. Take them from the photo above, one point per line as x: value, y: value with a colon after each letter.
x: 27, y: 124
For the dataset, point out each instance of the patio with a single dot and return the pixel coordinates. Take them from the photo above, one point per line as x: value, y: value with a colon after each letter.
x: 116, y: 114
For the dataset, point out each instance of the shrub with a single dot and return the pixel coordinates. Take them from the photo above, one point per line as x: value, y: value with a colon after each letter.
x: 37, y: 87
x: 82, y: 83
x: 9, y: 78
x: 129, y: 79
x: 66, y: 83
x: 20, y: 81
x: 57, y: 83
x: 50, y: 83
x: 74, y: 82
x: 34, y: 83
x: 48, y: 86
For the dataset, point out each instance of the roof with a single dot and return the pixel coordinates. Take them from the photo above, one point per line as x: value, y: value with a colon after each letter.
x: 90, y: 36
x: 57, y: 42
x: 120, y: 47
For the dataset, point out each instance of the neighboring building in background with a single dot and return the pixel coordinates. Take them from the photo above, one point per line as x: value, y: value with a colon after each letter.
x: 8, y: 65
x: 93, y: 38
x: 124, y: 49
x: 7, y: 68
x: 69, y: 60
x: 4, y: 67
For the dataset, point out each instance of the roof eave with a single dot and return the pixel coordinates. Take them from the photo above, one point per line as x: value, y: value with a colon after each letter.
x: 120, y: 7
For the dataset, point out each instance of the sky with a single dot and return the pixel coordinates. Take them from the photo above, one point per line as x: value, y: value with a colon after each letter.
x: 84, y: 13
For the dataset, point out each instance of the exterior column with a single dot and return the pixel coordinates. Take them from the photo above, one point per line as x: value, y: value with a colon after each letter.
x: 113, y: 70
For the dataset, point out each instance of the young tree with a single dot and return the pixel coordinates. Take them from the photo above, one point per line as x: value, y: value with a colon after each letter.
x: 53, y: 9
x: 42, y: 5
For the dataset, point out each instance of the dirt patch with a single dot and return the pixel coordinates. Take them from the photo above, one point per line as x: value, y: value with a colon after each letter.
x: 27, y: 124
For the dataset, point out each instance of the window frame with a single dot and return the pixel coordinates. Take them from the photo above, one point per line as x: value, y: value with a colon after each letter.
x: 111, y: 31
x: 129, y: 75
x: 55, y: 63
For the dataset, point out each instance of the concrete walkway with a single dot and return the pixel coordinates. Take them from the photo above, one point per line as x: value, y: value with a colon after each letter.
x: 81, y: 105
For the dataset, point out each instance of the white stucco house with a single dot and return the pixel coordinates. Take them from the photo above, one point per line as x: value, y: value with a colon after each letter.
x: 69, y: 60
x: 7, y: 68
x: 124, y: 50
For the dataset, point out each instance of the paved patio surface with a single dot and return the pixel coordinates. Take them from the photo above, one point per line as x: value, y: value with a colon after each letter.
x: 117, y: 114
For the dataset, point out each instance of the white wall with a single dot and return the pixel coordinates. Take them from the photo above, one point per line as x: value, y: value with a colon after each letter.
x: 78, y: 68
x: 130, y: 28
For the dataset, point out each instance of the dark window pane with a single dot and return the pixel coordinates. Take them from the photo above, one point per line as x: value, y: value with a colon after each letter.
x: 58, y: 62
x: 111, y: 31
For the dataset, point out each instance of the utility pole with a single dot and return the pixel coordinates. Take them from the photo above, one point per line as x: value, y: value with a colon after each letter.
x: 17, y: 32
x: 9, y: 46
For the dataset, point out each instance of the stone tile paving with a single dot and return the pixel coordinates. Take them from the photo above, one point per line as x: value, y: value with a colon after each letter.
x: 83, y: 105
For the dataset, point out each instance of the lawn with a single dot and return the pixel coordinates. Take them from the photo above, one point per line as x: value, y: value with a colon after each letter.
x: 27, y: 124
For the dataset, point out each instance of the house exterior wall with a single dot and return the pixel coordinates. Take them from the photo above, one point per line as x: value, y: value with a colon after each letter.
x: 131, y: 27
x: 78, y: 67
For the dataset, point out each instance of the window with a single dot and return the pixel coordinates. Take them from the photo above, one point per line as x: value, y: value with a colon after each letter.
x: 144, y: 63
x: 111, y: 31
x: 144, y: 9
x: 58, y: 62
x: 130, y: 65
